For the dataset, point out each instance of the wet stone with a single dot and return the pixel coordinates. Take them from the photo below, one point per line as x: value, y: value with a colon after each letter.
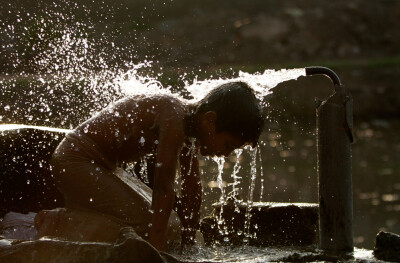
x: 129, y: 247
x: 261, y: 224
x: 387, y: 247
x: 26, y: 184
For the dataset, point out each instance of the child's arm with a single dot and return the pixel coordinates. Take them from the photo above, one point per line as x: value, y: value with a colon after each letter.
x: 170, y: 141
x: 191, y: 192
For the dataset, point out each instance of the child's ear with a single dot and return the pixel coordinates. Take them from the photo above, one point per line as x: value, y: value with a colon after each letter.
x: 210, y: 116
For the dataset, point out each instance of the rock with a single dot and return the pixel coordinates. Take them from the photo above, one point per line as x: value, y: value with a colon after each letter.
x: 269, y: 224
x: 70, y: 235
x: 129, y: 247
x: 88, y: 226
x: 18, y: 226
x: 26, y: 184
x: 77, y: 225
x: 387, y: 247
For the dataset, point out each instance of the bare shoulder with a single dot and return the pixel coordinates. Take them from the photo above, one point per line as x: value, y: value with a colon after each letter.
x: 156, y: 118
x: 157, y: 102
x: 170, y: 106
x: 171, y: 111
x: 162, y: 110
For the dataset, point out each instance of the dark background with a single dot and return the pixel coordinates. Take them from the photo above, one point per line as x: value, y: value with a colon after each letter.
x: 185, y: 40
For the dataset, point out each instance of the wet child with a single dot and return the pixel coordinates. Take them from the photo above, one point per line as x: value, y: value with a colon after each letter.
x: 85, y: 163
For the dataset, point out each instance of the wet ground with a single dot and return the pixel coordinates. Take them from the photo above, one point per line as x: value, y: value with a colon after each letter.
x: 274, y: 254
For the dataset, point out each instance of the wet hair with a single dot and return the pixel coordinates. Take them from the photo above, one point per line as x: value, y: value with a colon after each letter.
x: 237, y: 108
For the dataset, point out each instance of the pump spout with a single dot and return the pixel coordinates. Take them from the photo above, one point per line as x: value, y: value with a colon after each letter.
x: 317, y: 70
x: 334, y: 138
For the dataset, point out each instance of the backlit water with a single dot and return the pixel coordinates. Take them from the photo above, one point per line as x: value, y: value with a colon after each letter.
x: 57, y: 79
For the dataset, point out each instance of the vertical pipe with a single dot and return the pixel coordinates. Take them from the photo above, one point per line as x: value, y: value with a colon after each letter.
x: 334, y: 138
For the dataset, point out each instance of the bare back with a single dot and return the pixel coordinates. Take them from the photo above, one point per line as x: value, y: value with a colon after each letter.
x: 131, y: 127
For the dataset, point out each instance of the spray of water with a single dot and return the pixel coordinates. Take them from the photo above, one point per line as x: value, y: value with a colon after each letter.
x: 73, y: 74
x: 250, y: 197
x: 261, y: 175
x: 220, y: 161
x: 236, y: 169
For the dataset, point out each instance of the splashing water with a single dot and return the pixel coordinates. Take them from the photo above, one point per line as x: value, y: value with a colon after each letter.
x: 261, y: 176
x: 143, y: 170
x: 220, y: 161
x: 192, y: 152
x: 262, y: 83
x: 236, y: 168
x: 68, y: 73
x: 253, y: 175
x: 69, y: 79
x: 69, y: 65
x: 55, y: 58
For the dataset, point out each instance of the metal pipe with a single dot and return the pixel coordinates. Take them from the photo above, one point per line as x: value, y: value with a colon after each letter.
x: 334, y: 138
x: 317, y: 70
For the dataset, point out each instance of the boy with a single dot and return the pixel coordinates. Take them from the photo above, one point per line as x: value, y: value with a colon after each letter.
x: 85, y: 161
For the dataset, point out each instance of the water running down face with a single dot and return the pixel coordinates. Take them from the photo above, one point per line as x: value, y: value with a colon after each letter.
x: 213, y: 143
x: 220, y: 144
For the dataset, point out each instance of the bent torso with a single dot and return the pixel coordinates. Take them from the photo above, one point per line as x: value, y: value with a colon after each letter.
x: 130, y: 128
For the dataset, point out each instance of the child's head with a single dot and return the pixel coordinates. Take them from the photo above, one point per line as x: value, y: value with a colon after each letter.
x: 237, y: 111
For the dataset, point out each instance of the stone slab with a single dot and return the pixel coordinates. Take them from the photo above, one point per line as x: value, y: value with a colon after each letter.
x: 261, y: 224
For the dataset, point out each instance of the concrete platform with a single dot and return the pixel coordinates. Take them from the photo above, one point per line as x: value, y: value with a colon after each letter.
x: 261, y: 224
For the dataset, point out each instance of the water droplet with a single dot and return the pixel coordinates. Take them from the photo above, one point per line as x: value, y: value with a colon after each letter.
x: 142, y: 141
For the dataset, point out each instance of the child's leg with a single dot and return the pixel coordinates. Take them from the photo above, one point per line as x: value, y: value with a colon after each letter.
x: 93, y: 187
x: 89, y: 186
x: 88, y: 180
